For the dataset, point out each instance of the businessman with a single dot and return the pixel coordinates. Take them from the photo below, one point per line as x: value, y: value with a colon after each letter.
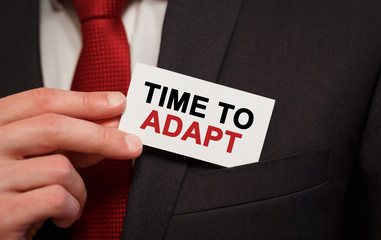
x: 319, y: 175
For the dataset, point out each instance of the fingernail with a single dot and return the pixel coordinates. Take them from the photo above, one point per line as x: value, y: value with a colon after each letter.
x: 133, y: 142
x: 116, y: 98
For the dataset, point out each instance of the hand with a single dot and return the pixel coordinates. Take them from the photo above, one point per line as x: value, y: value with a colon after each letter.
x: 36, y: 182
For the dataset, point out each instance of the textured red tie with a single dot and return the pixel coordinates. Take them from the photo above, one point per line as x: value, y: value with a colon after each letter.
x: 104, y: 65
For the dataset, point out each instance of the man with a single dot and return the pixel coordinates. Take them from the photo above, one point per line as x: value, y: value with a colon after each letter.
x: 319, y: 172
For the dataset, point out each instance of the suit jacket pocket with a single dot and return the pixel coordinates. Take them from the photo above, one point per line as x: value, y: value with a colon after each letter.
x: 254, y: 182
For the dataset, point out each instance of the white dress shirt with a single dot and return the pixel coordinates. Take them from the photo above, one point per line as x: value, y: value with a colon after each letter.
x: 61, y: 41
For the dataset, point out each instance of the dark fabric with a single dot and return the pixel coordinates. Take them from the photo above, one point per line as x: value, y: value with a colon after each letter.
x: 319, y: 172
x: 19, y: 47
x: 320, y: 61
x: 366, y: 181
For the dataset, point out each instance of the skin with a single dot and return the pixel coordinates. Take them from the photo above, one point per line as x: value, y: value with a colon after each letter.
x: 49, y: 133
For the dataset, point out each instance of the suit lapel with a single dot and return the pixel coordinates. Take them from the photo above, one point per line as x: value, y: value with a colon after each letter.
x: 195, y: 37
x: 19, y: 47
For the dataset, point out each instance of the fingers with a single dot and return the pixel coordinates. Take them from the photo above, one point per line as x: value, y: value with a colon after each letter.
x: 90, y: 106
x: 25, y: 175
x: 37, y: 189
x: 80, y: 160
x: 38, y: 123
x: 42, y: 203
x: 50, y: 132
x: 112, y: 122
x: 21, y: 211
x: 33, y: 230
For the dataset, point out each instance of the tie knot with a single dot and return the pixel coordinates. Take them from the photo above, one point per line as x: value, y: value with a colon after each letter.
x: 89, y: 9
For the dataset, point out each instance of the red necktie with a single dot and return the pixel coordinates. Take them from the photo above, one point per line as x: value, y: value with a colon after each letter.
x: 104, y: 65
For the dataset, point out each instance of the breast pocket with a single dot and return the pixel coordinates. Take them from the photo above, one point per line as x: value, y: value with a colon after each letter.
x: 254, y: 182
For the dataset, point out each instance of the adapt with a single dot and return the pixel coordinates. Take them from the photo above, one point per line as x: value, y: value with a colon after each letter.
x: 173, y: 127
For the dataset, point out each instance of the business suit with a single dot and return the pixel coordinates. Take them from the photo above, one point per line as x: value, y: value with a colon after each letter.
x: 319, y: 172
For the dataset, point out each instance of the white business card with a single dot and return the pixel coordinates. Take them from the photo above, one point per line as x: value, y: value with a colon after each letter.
x: 196, y: 118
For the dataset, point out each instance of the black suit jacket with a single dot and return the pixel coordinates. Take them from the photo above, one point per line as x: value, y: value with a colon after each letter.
x: 319, y: 175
